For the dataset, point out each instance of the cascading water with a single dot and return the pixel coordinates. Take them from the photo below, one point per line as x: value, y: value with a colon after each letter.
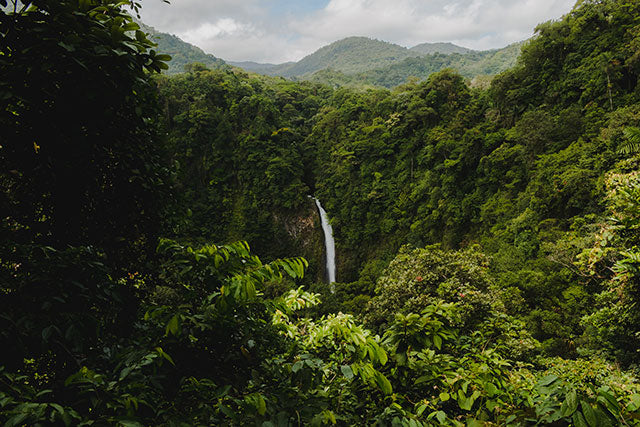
x: 329, y: 244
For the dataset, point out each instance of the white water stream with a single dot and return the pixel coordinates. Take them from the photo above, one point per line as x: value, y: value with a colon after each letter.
x: 329, y: 244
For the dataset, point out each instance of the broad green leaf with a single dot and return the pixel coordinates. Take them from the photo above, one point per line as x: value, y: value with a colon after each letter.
x: 262, y: 405
x: 549, y: 379
x: 578, y: 420
x: 423, y: 379
x: 609, y: 401
x: 589, y: 414
x: 491, y: 389
x: 347, y: 371
x: 165, y: 355
x: 131, y: 26
x: 570, y: 404
x: 172, y: 327
x: 382, y: 355
x: 16, y: 420
x: 444, y: 397
x: 126, y: 371
x: 383, y: 383
x: 635, y: 402
x: 57, y: 407
x: 437, y: 341
x: 420, y: 410
x: 464, y: 402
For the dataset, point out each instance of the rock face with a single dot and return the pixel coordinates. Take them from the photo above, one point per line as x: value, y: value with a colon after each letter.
x: 304, y: 229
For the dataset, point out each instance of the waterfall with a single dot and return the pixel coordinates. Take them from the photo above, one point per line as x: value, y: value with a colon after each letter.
x: 329, y: 244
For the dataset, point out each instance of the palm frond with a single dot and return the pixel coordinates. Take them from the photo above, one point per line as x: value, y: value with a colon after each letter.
x: 632, y: 144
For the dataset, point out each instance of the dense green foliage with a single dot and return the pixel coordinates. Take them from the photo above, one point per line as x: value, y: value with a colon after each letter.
x: 470, y: 65
x: 239, y: 162
x: 73, y: 173
x: 262, y: 68
x: 487, y: 239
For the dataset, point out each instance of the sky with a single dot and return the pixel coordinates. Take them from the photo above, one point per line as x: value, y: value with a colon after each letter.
x: 277, y: 31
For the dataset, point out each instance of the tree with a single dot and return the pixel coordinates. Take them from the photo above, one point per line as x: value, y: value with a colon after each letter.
x: 420, y: 277
x: 615, y: 259
x: 80, y: 177
x: 78, y: 161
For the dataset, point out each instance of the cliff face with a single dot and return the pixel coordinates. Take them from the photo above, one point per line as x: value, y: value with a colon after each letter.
x: 304, y: 230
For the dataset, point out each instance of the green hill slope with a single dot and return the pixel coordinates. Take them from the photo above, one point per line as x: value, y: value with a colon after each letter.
x: 261, y: 68
x: 446, y: 48
x: 182, y: 53
x: 350, y: 55
x: 361, y: 61
x: 470, y: 65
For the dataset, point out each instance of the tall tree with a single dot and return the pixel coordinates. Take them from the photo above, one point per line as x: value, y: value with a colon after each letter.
x: 78, y: 164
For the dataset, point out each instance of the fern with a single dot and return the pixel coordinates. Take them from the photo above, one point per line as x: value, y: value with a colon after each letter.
x: 632, y: 145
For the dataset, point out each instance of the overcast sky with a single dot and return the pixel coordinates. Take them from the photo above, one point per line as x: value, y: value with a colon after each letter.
x: 287, y: 30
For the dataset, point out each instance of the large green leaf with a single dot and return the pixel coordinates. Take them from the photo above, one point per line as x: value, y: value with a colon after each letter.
x: 589, y: 413
x: 383, y: 383
x: 570, y: 404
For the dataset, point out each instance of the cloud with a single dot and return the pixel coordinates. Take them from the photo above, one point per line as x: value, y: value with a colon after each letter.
x: 183, y: 15
x: 221, y: 28
x: 282, y: 30
x: 479, y: 24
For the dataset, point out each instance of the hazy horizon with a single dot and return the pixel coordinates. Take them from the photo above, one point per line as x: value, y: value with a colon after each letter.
x: 277, y: 31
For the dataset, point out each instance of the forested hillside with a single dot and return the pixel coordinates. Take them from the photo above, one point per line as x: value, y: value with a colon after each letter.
x: 161, y: 262
x: 350, y: 55
x: 354, y: 61
x: 444, y: 48
x: 182, y: 53
x: 360, y: 61
x: 476, y: 66
x: 470, y: 65
x: 262, y: 68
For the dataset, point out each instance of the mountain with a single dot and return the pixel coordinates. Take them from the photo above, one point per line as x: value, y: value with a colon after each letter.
x: 260, y: 68
x: 353, y: 61
x: 474, y: 64
x: 358, y: 61
x: 445, y: 48
x: 470, y: 65
x: 350, y: 55
x: 182, y: 53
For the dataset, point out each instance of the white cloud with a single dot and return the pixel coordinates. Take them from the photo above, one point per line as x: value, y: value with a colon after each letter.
x: 480, y: 24
x: 207, y: 31
x: 249, y: 30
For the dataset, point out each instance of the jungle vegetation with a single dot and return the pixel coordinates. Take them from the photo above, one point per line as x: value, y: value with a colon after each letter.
x: 161, y: 262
